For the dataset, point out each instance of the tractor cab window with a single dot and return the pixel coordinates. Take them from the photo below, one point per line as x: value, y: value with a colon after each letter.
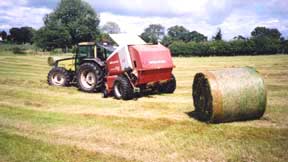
x: 86, y: 51
x: 101, y: 53
x: 108, y: 53
x: 104, y: 51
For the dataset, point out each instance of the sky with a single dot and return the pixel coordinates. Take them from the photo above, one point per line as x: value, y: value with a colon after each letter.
x: 234, y: 17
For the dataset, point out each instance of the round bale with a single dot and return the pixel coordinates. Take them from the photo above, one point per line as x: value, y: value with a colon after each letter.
x: 229, y: 95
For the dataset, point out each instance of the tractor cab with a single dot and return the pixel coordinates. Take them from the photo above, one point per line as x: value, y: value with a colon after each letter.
x: 92, y: 50
x: 90, y: 65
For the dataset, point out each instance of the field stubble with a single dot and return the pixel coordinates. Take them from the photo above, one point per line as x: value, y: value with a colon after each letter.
x: 61, y: 123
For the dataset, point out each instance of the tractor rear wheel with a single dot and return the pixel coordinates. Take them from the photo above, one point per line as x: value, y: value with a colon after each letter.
x: 123, y: 88
x: 58, y: 76
x: 89, y: 77
x: 168, y: 87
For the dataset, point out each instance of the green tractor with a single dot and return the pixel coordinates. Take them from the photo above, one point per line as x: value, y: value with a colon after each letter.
x: 86, y: 67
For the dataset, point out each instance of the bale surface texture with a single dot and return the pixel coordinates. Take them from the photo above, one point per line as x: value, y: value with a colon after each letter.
x: 229, y: 95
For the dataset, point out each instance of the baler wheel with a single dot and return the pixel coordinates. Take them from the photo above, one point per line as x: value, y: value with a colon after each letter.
x: 58, y: 76
x: 89, y: 77
x: 168, y: 87
x: 123, y: 89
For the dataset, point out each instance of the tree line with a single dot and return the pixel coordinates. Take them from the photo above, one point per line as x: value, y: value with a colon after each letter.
x: 19, y: 35
x: 74, y: 21
x: 183, y: 42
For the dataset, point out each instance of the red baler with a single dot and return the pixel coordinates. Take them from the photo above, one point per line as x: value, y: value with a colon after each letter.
x: 137, y: 66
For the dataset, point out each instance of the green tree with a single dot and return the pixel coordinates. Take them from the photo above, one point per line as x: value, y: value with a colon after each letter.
x: 166, y: 41
x: 195, y: 36
x: 111, y: 28
x: 239, y: 37
x: 55, y: 36
x: 179, y: 48
x: 266, y: 32
x: 284, y: 46
x: 178, y: 33
x: 3, y: 35
x: 26, y: 34
x: 76, y: 20
x: 218, y: 35
x: 22, y: 35
x: 105, y: 38
x: 267, y: 41
x: 153, y: 33
x: 15, y: 35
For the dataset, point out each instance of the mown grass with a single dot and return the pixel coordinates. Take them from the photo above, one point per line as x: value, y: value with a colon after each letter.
x: 18, y: 148
x: 44, y: 123
x: 181, y: 135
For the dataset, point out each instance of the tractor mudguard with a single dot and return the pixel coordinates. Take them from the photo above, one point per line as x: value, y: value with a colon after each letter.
x: 66, y: 63
x: 52, y: 60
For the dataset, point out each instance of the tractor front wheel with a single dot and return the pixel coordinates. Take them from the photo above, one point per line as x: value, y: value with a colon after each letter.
x: 58, y: 77
x: 123, y: 88
x: 89, y: 77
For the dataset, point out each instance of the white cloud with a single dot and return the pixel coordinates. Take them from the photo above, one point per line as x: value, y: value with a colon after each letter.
x: 5, y: 26
x: 233, y: 17
x: 162, y: 8
x: 136, y: 24
x: 5, y: 3
x: 22, y: 16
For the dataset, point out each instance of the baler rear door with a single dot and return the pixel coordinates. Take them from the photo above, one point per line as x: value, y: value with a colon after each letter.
x: 125, y: 59
x: 124, y: 40
x: 153, y: 62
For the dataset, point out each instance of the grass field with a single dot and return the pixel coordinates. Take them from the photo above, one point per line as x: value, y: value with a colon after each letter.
x: 43, y: 123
